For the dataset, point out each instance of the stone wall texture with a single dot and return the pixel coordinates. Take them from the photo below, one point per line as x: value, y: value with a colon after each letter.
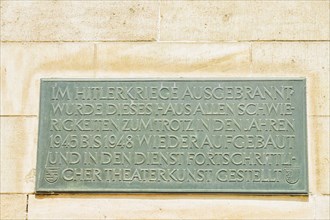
x: 144, y: 39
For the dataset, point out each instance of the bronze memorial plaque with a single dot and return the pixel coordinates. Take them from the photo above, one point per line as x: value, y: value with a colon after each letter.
x: 214, y: 135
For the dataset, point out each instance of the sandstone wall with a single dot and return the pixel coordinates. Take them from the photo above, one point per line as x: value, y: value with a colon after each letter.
x: 143, y: 39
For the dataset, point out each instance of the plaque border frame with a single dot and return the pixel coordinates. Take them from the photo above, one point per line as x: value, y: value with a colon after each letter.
x: 305, y: 191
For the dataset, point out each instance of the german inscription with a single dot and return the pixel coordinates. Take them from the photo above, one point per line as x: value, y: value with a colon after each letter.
x: 172, y: 136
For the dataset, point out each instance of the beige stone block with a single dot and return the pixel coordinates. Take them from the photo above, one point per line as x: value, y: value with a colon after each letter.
x: 18, y: 154
x: 23, y: 64
x: 168, y: 60
x: 170, y: 206
x: 297, y: 59
x: 79, y: 20
x: 322, y: 206
x: 319, y: 154
x: 12, y: 206
x: 244, y: 20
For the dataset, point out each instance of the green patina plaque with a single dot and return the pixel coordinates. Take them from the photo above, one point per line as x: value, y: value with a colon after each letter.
x: 219, y: 135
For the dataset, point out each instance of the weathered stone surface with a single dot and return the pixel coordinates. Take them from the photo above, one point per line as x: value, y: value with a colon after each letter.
x: 18, y: 154
x: 23, y: 64
x: 322, y: 204
x: 319, y: 154
x: 79, y: 20
x: 310, y: 60
x: 172, y: 60
x: 167, y: 207
x: 12, y: 206
x: 244, y: 20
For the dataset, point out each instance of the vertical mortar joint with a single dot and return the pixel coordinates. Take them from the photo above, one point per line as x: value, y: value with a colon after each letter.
x: 27, y: 207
